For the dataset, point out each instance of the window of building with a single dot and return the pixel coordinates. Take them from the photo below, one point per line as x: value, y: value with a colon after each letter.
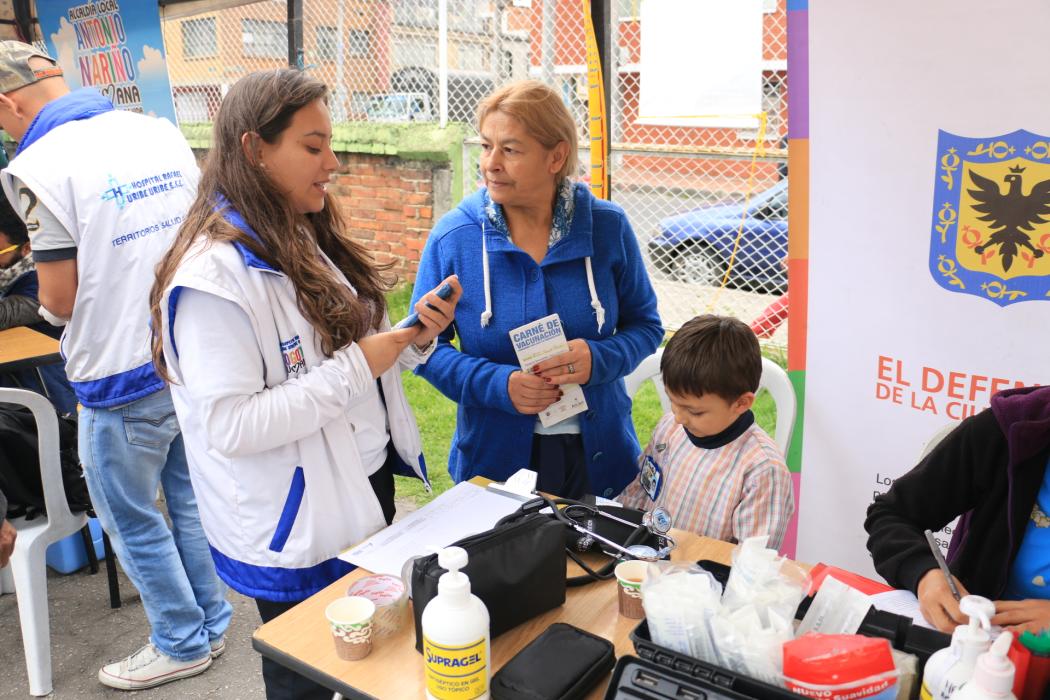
x: 627, y: 8
x: 327, y: 44
x: 506, y: 64
x: 413, y: 52
x: 774, y: 99
x: 196, y: 103
x: 469, y: 15
x: 473, y: 57
x: 414, y: 15
x: 463, y: 15
x: 359, y: 42
x: 198, y: 38
x: 264, y: 38
x: 191, y: 107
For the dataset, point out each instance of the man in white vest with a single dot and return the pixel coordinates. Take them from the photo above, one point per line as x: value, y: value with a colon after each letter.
x: 102, y: 193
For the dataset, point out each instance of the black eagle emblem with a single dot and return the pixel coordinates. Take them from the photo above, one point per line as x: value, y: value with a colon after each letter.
x: 1010, y: 214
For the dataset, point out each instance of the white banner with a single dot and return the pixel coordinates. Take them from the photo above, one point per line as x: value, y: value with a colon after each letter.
x: 928, y: 276
x: 701, y: 62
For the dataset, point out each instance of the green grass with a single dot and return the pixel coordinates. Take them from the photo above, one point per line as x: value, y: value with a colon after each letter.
x: 436, y: 416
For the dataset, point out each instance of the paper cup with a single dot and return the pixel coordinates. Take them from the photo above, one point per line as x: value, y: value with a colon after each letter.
x: 629, y: 577
x: 391, y: 601
x: 350, y: 620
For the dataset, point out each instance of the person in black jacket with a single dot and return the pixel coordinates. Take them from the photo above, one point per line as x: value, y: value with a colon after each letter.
x: 18, y: 281
x: 19, y: 307
x: 992, y: 471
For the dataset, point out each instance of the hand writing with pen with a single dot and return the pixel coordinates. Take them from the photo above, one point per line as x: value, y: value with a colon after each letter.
x: 941, y: 609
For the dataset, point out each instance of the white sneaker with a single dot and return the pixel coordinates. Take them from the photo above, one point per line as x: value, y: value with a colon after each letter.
x: 217, y: 647
x: 149, y: 667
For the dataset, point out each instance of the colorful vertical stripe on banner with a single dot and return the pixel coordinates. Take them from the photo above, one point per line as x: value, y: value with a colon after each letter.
x: 596, y: 123
x: 798, y: 236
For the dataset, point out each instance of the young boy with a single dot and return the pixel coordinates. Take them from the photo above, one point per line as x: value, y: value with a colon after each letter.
x: 708, y: 464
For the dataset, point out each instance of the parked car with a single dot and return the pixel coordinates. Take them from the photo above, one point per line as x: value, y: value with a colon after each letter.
x: 400, y: 107
x: 696, y: 246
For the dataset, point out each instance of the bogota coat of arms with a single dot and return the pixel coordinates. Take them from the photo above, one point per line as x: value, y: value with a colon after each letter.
x: 991, y: 216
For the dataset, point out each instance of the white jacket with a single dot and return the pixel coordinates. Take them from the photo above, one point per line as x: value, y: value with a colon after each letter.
x: 120, y: 184
x: 277, y: 473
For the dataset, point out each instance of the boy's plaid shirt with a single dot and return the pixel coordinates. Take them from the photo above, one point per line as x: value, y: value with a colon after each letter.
x: 729, y: 493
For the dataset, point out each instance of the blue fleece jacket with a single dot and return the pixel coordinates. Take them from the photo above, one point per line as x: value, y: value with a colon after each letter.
x: 492, y: 439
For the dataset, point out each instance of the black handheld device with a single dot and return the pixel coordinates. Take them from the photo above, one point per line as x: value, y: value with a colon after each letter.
x: 443, y: 292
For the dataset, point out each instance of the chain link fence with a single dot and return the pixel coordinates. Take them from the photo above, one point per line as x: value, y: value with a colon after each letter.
x: 712, y: 241
x: 710, y: 214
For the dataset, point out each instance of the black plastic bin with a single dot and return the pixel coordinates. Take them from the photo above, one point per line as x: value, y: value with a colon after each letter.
x: 704, y: 670
x: 640, y: 679
x: 898, y: 629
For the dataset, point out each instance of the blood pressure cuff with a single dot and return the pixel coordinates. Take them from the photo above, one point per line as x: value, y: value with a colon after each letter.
x: 575, y: 515
x: 563, y: 663
x: 517, y: 569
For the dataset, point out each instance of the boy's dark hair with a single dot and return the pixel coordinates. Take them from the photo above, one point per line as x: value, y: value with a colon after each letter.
x: 712, y: 355
x: 11, y: 225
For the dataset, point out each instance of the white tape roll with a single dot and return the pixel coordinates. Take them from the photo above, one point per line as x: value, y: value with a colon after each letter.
x: 388, y: 593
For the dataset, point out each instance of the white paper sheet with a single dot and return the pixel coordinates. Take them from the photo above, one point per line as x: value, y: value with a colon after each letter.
x: 463, y: 510
x: 838, y: 608
x: 902, y: 603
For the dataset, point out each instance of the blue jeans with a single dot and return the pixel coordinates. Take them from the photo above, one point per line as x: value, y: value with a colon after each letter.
x: 127, y: 452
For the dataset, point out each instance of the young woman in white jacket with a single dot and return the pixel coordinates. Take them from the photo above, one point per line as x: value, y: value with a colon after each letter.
x: 270, y: 322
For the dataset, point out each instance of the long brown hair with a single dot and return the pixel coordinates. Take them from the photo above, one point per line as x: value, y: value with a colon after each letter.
x: 264, y: 102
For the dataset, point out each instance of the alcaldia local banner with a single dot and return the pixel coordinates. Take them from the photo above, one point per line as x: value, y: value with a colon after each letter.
x: 114, y: 46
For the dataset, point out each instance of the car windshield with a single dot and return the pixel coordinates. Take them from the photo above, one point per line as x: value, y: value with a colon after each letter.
x: 771, y: 204
x: 386, y: 106
x: 397, y: 107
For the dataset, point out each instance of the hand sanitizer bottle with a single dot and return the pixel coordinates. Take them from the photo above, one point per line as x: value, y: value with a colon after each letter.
x: 993, y: 678
x: 951, y: 668
x: 455, y: 635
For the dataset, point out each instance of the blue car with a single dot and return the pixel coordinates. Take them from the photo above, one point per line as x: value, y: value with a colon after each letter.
x: 696, y: 247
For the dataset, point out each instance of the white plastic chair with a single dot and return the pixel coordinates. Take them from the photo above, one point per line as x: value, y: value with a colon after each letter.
x: 648, y: 370
x: 774, y: 380
x: 34, y: 536
x: 936, y: 438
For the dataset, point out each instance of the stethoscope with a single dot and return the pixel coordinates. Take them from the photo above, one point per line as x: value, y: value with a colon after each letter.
x: 656, y: 523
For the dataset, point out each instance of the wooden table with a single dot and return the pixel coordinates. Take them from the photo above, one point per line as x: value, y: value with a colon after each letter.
x: 300, y: 640
x: 23, y: 348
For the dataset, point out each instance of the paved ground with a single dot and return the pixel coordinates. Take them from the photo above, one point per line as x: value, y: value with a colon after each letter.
x: 86, y: 633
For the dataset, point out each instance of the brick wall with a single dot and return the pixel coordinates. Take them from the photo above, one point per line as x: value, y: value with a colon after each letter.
x: 394, y: 182
x: 389, y: 205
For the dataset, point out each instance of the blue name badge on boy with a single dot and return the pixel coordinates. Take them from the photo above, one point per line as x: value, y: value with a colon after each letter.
x: 541, y: 340
x: 651, y: 477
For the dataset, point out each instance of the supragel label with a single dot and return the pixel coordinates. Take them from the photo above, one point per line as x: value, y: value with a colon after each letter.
x: 456, y: 673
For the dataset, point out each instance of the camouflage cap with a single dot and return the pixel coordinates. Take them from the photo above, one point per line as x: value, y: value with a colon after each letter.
x: 15, y: 71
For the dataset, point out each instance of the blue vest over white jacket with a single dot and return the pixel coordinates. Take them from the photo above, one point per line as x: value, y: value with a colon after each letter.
x: 120, y: 183
x: 279, y: 481
x: 492, y: 439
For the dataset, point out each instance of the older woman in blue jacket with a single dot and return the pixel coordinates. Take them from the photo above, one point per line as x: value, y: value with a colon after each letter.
x: 533, y: 242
